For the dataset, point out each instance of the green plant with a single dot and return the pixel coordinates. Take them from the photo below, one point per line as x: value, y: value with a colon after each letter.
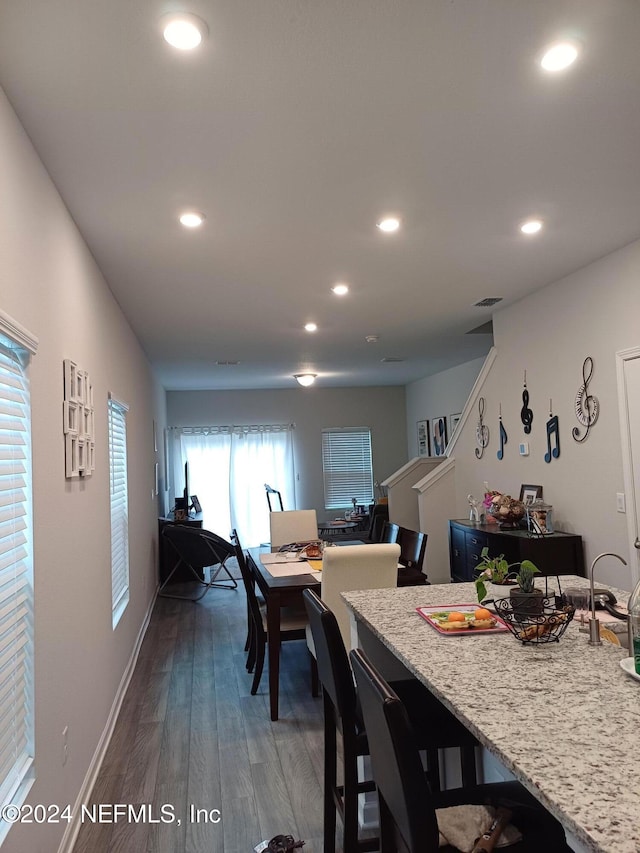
x: 524, y: 578
x: 497, y: 570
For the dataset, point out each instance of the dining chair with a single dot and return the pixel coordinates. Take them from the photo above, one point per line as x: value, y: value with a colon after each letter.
x: 413, y: 545
x: 294, y: 525
x: 378, y: 514
x: 390, y: 532
x: 354, y: 567
x: 277, y: 494
x: 407, y: 804
x: 435, y: 728
x: 198, y: 549
x: 293, y: 623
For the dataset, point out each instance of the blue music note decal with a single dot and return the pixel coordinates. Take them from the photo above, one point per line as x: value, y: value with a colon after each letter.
x: 552, y: 430
x: 503, y: 437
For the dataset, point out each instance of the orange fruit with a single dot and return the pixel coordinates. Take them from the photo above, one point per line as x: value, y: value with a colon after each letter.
x: 455, y: 616
x: 481, y: 613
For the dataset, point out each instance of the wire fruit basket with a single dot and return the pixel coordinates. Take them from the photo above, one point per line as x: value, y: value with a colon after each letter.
x: 546, y: 626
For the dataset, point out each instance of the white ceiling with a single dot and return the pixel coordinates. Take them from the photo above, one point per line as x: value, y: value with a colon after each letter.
x: 294, y: 127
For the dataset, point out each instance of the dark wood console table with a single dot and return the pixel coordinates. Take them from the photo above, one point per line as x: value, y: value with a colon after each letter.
x: 167, y: 555
x: 555, y: 554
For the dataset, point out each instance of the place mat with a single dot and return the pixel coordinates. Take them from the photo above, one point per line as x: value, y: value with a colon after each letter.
x: 287, y: 570
x: 267, y: 558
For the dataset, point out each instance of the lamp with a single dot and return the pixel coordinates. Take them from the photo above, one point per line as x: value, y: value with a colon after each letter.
x: 305, y: 379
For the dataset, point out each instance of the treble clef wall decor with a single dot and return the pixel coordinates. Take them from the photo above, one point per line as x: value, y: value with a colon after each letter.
x: 552, y: 429
x: 526, y: 414
x: 503, y: 437
x: 586, y: 405
x: 482, y: 430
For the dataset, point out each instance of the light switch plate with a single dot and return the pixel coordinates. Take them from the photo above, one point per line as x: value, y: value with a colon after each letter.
x: 621, y: 505
x: 523, y: 447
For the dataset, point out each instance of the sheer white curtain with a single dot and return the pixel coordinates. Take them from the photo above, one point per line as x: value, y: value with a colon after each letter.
x: 228, y: 467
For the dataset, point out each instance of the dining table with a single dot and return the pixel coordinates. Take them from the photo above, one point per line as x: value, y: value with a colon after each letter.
x: 562, y: 718
x: 281, y: 579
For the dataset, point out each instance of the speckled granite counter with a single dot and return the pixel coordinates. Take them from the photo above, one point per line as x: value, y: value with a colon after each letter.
x: 562, y: 717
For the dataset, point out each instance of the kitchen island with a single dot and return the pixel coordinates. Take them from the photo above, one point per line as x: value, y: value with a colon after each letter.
x: 563, y: 718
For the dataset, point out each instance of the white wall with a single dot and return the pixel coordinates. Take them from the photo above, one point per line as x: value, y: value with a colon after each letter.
x: 382, y: 409
x: 440, y: 395
x: 49, y: 283
x: 593, y: 312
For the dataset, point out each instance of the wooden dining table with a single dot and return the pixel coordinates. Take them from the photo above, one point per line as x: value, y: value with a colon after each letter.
x: 562, y: 718
x: 279, y: 589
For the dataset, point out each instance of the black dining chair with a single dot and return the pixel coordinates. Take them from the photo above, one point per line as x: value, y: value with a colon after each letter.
x: 408, y: 804
x: 292, y: 625
x: 389, y: 532
x: 198, y: 549
x: 436, y: 728
x: 413, y: 546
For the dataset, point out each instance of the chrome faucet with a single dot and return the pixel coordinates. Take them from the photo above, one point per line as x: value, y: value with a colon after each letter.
x: 594, y: 623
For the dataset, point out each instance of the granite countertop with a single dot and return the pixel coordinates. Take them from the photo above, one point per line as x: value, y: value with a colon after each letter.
x: 562, y: 717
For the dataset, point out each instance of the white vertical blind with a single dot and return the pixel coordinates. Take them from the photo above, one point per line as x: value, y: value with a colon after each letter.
x: 119, y: 508
x: 16, y: 572
x: 346, y: 466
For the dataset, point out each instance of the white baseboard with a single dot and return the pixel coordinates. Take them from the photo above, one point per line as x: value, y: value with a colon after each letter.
x: 71, y: 833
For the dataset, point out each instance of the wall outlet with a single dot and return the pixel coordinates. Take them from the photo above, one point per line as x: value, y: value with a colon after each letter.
x: 65, y: 745
x: 621, y: 505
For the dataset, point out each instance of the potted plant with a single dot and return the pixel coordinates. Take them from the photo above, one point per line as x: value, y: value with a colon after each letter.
x: 493, y: 569
x: 526, y: 600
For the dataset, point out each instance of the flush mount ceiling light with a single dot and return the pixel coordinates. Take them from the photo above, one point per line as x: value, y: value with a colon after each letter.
x: 311, y: 327
x: 531, y: 226
x: 183, y: 31
x: 389, y: 224
x: 559, y: 56
x: 305, y: 379
x: 192, y: 219
x: 340, y: 289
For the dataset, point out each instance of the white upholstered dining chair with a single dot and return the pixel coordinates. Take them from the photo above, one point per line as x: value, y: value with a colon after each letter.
x: 294, y: 525
x: 347, y: 567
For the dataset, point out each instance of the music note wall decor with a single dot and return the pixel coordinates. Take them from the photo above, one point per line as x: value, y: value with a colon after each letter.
x: 526, y: 414
x: 503, y: 437
x: 587, y: 407
x: 552, y: 430
x: 482, y: 430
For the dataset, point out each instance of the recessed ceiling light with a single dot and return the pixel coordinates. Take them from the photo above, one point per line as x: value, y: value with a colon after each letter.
x: 311, y: 327
x: 305, y: 379
x: 191, y: 219
x: 531, y: 226
x: 340, y: 289
x: 371, y: 339
x: 183, y: 31
x: 559, y: 56
x: 389, y: 224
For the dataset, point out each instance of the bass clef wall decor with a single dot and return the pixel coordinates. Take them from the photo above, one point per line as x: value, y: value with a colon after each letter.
x: 526, y: 414
x: 552, y: 430
x: 503, y: 437
x: 587, y: 407
x: 482, y: 430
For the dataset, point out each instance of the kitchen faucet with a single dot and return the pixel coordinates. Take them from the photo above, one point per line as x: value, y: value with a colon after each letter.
x: 594, y: 623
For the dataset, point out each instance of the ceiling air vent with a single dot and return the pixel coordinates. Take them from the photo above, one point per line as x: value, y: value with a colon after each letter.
x: 392, y: 359
x: 227, y: 363
x: 488, y: 302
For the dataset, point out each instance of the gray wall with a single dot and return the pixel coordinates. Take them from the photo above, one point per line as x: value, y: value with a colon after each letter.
x: 382, y: 409
x: 49, y: 283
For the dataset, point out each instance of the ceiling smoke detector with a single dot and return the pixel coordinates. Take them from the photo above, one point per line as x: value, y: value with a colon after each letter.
x: 488, y: 302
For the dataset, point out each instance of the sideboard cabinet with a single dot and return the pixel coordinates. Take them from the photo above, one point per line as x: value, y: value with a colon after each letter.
x: 554, y: 554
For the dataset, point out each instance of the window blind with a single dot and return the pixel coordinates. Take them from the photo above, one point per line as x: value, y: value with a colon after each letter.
x: 119, y: 508
x: 346, y: 466
x: 16, y: 573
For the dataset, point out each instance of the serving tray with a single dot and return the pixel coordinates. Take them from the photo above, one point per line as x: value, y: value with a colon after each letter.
x: 427, y: 614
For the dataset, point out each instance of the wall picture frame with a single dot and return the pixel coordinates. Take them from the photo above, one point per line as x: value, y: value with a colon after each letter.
x: 452, y: 423
x: 438, y: 436
x: 529, y: 494
x: 424, y: 445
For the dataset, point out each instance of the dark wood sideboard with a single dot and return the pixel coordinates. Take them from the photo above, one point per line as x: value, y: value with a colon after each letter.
x: 555, y: 554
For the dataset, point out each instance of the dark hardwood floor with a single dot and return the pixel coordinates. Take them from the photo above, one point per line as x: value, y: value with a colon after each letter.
x: 190, y: 734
